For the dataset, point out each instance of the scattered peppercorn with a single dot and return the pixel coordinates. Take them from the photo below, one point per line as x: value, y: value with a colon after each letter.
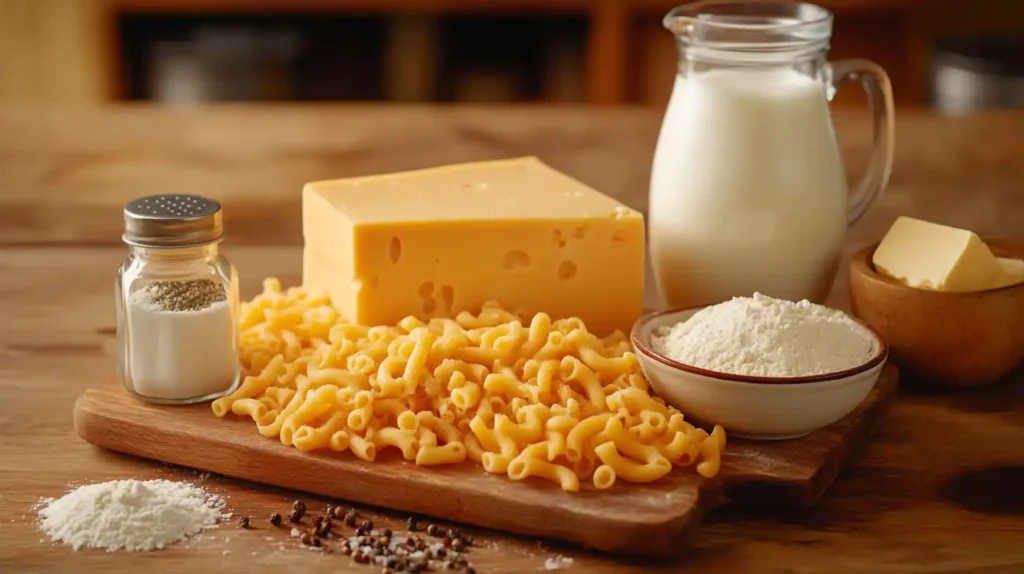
x: 329, y: 511
x: 469, y: 570
x: 324, y: 528
x: 317, y: 521
x: 387, y: 532
x: 295, y: 516
x: 458, y: 545
x: 315, y: 541
x: 368, y: 524
x: 244, y: 522
x: 410, y: 524
x: 275, y: 519
x: 306, y: 539
x: 299, y: 504
x: 360, y: 531
x: 447, y: 541
x: 350, y: 518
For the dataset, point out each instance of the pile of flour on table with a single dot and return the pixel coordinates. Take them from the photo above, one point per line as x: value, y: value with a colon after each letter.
x: 766, y: 337
x: 130, y: 514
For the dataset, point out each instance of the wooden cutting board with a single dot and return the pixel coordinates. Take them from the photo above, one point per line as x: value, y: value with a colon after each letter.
x: 631, y: 519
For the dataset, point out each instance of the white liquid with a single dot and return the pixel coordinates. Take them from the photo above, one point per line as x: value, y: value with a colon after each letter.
x: 748, y: 192
x: 181, y: 354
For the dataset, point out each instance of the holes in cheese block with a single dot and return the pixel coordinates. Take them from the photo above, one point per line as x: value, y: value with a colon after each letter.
x: 619, y: 236
x: 429, y: 306
x: 566, y: 270
x: 580, y: 232
x: 447, y: 298
x: 557, y: 239
x: 426, y: 294
x: 394, y: 250
x: 515, y: 259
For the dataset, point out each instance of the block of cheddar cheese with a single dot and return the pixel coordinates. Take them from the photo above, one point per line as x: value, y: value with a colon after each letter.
x: 435, y: 242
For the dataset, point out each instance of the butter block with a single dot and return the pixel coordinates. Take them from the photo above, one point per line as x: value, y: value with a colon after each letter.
x: 1011, y: 272
x: 931, y: 256
x: 435, y: 242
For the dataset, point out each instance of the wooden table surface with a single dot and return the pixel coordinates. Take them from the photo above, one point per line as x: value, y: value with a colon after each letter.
x: 940, y: 488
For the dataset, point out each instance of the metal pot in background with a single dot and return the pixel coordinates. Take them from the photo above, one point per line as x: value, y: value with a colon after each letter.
x: 976, y: 73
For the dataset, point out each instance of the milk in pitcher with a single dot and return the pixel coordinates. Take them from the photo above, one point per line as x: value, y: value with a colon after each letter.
x: 748, y: 191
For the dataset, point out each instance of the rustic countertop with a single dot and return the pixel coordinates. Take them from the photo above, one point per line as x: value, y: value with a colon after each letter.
x: 938, y: 489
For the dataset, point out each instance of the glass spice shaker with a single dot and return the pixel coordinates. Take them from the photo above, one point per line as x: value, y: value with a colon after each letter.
x: 177, y: 302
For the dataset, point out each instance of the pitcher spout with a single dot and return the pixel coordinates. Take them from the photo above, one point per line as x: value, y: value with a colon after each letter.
x: 745, y: 26
x: 680, y: 20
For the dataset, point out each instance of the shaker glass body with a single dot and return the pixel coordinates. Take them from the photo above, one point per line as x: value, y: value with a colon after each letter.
x: 177, y: 324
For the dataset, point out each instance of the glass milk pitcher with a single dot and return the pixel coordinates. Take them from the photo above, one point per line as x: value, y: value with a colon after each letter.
x: 748, y: 191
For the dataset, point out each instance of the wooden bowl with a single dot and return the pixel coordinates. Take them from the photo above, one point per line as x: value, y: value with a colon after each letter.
x: 956, y: 340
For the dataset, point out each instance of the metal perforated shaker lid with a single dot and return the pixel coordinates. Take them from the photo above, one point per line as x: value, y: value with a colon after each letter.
x: 172, y: 220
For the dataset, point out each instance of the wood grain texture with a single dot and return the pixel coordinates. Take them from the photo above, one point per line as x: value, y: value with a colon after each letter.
x: 956, y: 340
x: 56, y: 51
x: 60, y: 182
x: 937, y: 489
x: 650, y: 519
x: 934, y: 492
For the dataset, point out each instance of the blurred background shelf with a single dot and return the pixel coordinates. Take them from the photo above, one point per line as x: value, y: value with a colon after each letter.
x: 574, y: 51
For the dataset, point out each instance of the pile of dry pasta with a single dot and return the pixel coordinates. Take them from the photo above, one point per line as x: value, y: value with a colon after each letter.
x: 546, y: 399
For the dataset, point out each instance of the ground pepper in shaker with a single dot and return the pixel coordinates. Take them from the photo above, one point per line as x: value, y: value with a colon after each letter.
x: 177, y: 301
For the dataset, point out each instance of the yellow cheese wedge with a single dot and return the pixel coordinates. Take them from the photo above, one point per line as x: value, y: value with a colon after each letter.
x: 931, y: 256
x: 435, y: 242
x: 1011, y: 272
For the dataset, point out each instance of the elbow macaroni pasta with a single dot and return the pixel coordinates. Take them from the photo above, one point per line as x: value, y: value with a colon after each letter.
x: 545, y: 398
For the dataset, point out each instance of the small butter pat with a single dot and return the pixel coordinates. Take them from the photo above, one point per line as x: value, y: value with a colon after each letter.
x: 1011, y: 272
x: 931, y: 256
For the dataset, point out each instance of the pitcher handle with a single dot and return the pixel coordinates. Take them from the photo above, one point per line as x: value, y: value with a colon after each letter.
x: 876, y: 84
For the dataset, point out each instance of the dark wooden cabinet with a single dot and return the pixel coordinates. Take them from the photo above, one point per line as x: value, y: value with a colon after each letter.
x: 595, y: 51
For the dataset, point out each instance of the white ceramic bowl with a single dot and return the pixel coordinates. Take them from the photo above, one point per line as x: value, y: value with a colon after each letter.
x: 767, y: 408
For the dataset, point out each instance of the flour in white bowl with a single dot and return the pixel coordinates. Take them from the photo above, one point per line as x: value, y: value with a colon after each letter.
x: 130, y: 514
x: 765, y: 337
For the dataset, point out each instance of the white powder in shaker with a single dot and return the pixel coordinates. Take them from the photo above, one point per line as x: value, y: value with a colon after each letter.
x: 130, y: 514
x: 766, y: 337
x: 182, y: 345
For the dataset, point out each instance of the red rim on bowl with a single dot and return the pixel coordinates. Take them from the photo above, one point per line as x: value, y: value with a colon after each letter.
x: 644, y: 349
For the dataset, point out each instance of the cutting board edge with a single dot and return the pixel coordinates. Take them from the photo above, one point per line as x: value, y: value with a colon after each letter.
x: 807, y: 492
x: 650, y: 539
x: 93, y: 419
